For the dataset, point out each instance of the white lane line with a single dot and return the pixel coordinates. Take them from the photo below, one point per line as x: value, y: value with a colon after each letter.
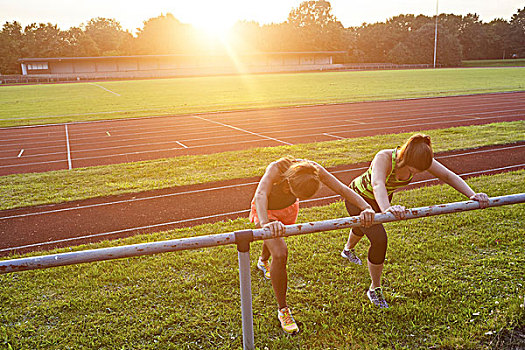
x: 129, y: 200
x: 336, y: 137
x: 68, y: 149
x: 218, y: 188
x: 215, y: 144
x: 20, y: 154
x: 428, y: 111
x: 35, y: 163
x: 378, y: 119
x: 480, y: 172
x: 103, y: 88
x: 480, y: 151
x: 484, y: 96
x: 180, y: 143
x: 125, y: 230
x: 243, y: 130
x: 222, y: 144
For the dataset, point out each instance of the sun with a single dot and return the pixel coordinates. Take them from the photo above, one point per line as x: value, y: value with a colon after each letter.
x: 216, y: 26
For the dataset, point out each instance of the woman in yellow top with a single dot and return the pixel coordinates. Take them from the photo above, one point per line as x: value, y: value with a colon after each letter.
x: 276, y: 204
x: 392, y: 169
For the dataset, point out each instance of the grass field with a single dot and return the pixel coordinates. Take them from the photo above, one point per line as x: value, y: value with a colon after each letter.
x: 495, y: 63
x: 50, y: 103
x: 453, y: 282
x: 20, y: 190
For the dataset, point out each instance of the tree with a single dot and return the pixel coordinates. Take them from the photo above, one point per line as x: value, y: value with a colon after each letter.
x: 43, y: 40
x: 312, y: 14
x: 165, y: 35
x: 498, y: 39
x: 246, y: 36
x: 419, y: 48
x: 517, y: 33
x: 401, y: 54
x: 316, y: 28
x: 11, y: 43
x: 79, y: 44
x: 472, y: 37
x: 106, y: 33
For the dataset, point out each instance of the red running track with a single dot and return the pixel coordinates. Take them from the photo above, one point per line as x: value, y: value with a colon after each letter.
x: 74, y: 145
x: 70, y: 223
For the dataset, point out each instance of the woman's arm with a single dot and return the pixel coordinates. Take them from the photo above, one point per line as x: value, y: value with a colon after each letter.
x: 441, y: 172
x: 367, y: 213
x: 271, y: 175
x: 381, y: 167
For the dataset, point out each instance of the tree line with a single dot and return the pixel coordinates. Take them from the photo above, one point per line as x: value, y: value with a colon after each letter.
x: 309, y: 27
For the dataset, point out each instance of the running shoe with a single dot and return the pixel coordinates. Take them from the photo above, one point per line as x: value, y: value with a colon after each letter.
x: 350, y: 255
x: 287, y: 321
x: 264, y: 266
x: 377, y: 298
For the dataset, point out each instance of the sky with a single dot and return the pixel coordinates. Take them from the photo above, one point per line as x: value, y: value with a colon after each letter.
x: 221, y: 14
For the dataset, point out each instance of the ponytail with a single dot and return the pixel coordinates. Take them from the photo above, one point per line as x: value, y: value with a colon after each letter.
x: 303, y: 176
x: 416, y: 152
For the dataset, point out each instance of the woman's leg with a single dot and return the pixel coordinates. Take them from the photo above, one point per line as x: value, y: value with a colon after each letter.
x: 356, y: 233
x: 265, y: 253
x: 279, y: 252
x: 353, y: 239
x: 376, y: 253
x: 375, y: 274
x: 378, y: 244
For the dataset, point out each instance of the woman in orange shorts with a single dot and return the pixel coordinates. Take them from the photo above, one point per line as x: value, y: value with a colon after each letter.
x: 276, y: 203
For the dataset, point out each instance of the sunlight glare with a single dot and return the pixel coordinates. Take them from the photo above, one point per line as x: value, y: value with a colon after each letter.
x: 214, y: 25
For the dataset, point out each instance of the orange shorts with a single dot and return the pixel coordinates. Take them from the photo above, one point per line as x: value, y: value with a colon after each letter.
x: 287, y: 216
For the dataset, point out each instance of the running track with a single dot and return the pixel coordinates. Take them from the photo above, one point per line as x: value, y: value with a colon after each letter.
x: 73, y: 145
x: 71, y: 223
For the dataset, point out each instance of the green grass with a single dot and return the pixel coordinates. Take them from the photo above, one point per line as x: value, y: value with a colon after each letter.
x: 20, y: 190
x: 449, y: 279
x: 43, y: 104
x: 495, y: 63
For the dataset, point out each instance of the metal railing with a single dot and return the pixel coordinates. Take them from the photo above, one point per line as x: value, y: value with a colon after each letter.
x: 242, y: 239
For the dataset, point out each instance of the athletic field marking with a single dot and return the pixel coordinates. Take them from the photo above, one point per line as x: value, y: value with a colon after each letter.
x: 243, y: 130
x: 337, y: 137
x: 480, y: 172
x: 215, y: 188
x: 35, y: 163
x: 68, y: 149
x: 374, y: 120
x: 180, y: 143
x: 20, y: 154
x: 128, y: 200
x: 230, y: 143
x: 487, y: 95
x: 125, y: 230
x: 476, y: 152
x: 103, y: 88
x: 344, y: 113
x: 438, y: 113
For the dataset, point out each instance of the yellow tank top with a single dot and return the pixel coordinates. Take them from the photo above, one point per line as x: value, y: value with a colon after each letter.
x: 363, y: 183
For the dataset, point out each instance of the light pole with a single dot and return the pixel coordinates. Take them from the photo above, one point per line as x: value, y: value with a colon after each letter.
x: 436, y: 34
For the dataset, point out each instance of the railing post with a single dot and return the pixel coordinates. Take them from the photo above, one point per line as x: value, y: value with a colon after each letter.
x: 243, y: 240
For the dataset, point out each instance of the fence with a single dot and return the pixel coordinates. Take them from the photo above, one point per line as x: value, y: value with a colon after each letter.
x: 242, y: 239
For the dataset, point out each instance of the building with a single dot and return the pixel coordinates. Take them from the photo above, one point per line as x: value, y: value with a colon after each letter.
x: 154, y: 66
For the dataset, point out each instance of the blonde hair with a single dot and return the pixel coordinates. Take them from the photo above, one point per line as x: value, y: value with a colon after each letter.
x: 302, y: 176
x: 416, y: 152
